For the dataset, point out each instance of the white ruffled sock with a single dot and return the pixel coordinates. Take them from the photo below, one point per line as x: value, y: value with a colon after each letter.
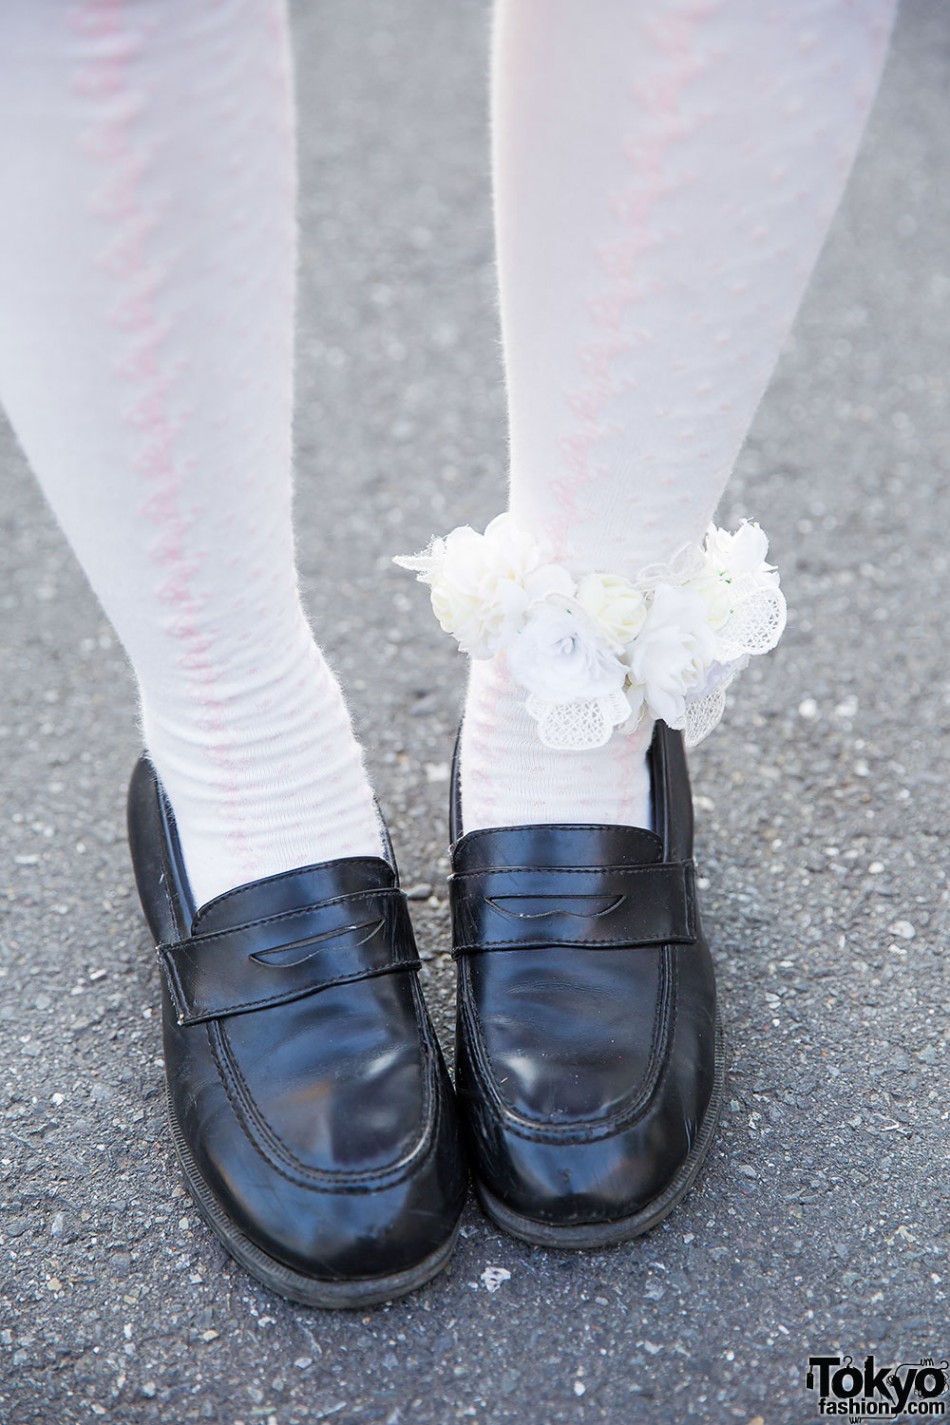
x: 664, y: 177
x: 147, y: 254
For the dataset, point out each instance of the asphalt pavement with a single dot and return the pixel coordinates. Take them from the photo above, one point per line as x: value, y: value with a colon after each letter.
x: 822, y: 1224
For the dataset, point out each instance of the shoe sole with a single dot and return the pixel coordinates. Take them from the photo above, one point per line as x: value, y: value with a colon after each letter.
x: 296, y: 1286
x: 580, y: 1236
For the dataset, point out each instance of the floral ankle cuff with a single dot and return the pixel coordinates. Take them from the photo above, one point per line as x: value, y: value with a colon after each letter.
x: 597, y: 652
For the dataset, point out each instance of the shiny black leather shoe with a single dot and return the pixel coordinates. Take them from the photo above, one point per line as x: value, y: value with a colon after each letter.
x: 590, y: 1056
x: 308, y: 1100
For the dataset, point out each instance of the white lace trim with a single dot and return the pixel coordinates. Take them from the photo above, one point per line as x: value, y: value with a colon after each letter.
x: 703, y: 716
x: 756, y: 623
x: 575, y: 727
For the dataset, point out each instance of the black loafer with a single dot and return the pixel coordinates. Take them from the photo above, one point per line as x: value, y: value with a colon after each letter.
x: 589, y: 1054
x: 308, y: 1100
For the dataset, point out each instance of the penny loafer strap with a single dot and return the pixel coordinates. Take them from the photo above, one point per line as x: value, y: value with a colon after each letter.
x: 286, y: 956
x: 600, y: 907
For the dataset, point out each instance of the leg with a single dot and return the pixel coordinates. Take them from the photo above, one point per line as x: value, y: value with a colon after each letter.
x: 664, y: 179
x: 146, y: 272
x: 147, y: 249
x: 665, y: 174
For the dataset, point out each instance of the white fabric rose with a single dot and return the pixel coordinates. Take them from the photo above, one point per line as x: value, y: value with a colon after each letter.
x: 740, y: 557
x: 736, y: 554
x: 670, y: 657
x: 560, y: 657
x: 719, y: 675
x: 717, y: 593
x: 483, y: 584
x: 734, y: 567
x: 616, y: 608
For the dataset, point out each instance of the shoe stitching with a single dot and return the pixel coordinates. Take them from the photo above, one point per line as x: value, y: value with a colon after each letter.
x: 289, y: 995
x: 174, y: 985
x: 627, y: 942
x: 167, y: 867
x: 433, y: 1108
x: 182, y: 998
x: 509, y: 1120
x: 622, y: 832
x: 686, y: 1173
x: 286, y: 876
x: 319, y: 1179
x: 393, y: 1173
x: 386, y: 891
x: 482, y: 871
x: 660, y: 767
x: 637, y: 1103
x: 174, y: 873
x: 689, y: 902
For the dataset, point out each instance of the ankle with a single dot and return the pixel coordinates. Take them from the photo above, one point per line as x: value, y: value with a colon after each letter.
x: 263, y: 779
x: 509, y: 778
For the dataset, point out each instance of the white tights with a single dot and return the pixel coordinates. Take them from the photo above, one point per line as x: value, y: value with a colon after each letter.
x: 664, y: 176
x: 147, y: 262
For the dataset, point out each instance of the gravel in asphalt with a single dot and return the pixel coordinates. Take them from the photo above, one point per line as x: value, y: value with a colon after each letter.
x: 822, y: 1224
